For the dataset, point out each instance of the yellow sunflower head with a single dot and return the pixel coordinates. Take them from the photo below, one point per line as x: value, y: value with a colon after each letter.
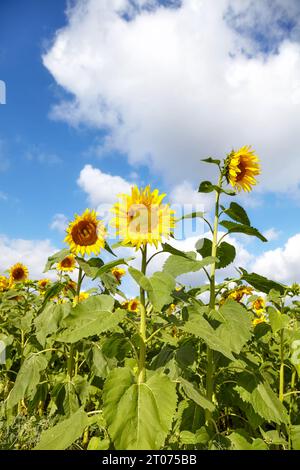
x: 85, y: 235
x: 141, y: 218
x: 4, y: 283
x: 241, y: 168
x: 118, y: 273
x: 257, y: 321
x: 237, y: 294
x: 68, y: 264
x: 131, y: 305
x: 18, y: 273
x: 259, y: 305
x: 43, y: 284
x: 82, y: 296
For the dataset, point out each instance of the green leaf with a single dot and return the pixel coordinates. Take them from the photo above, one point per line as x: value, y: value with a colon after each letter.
x: 65, y: 433
x: 211, y: 160
x: 239, y: 442
x: 200, y: 328
x: 27, y: 379
x: 278, y: 320
x: 91, y: 318
x: 264, y: 401
x: 56, y: 258
x: 50, y: 319
x: 159, y: 287
x: 177, y: 265
x: 225, y: 252
x: 236, y: 328
x: 261, y: 283
x: 196, y: 395
x: 237, y: 213
x: 98, y: 444
x: 108, y: 249
x: 206, y: 187
x: 90, y: 267
x: 192, y: 215
x: 109, y: 266
x: 170, y: 249
x: 232, y: 227
x: 139, y: 416
x: 295, y: 436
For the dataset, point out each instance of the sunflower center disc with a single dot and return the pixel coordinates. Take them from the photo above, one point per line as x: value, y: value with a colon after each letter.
x: 84, y: 233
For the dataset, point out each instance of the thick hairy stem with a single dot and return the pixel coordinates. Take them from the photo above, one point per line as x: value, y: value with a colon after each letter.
x: 281, y: 370
x: 210, y: 354
x: 143, y: 334
x: 71, y: 359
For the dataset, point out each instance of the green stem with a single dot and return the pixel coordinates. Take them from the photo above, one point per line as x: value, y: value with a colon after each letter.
x: 281, y: 370
x: 143, y: 338
x: 290, y: 409
x: 71, y: 359
x: 212, y: 300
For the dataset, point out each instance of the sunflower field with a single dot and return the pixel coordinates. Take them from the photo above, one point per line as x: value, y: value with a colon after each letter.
x: 213, y: 367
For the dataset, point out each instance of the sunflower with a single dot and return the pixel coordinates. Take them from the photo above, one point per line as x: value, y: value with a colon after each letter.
x: 82, y: 296
x: 118, y: 273
x: 241, y: 168
x: 141, y: 218
x: 257, y: 321
x: 131, y: 305
x: 86, y: 234
x: 43, y: 284
x: 18, y: 273
x: 259, y: 305
x: 67, y: 264
x: 236, y: 294
x: 4, y: 283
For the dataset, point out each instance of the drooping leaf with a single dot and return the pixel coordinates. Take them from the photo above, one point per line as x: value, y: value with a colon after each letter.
x: 262, y: 398
x: 211, y: 160
x: 139, y: 416
x: 109, y: 266
x: 192, y: 215
x: 261, y: 283
x: 90, y: 318
x: 195, y: 395
x: 27, y: 379
x: 90, y: 267
x: 199, y: 327
x: 233, y: 227
x: 159, y: 286
x: 48, y: 322
x: 65, y: 433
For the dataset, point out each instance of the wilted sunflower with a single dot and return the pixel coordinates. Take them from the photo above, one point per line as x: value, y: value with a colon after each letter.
x: 18, y: 273
x: 4, y: 283
x: 68, y: 264
x: 141, y: 218
x: 118, y: 273
x: 43, y: 284
x: 86, y: 234
x: 241, y: 168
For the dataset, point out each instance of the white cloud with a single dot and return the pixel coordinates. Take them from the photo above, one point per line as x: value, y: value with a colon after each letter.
x: 271, y: 234
x: 281, y: 264
x: 172, y: 85
x: 59, y: 223
x: 33, y: 253
x: 101, y: 188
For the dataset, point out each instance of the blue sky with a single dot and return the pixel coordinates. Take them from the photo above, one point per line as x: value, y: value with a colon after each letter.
x: 143, y: 99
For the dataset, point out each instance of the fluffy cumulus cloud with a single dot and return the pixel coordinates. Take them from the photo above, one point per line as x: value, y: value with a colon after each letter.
x: 281, y: 264
x: 171, y: 84
x: 101, y: 188
x: 33, y: 253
